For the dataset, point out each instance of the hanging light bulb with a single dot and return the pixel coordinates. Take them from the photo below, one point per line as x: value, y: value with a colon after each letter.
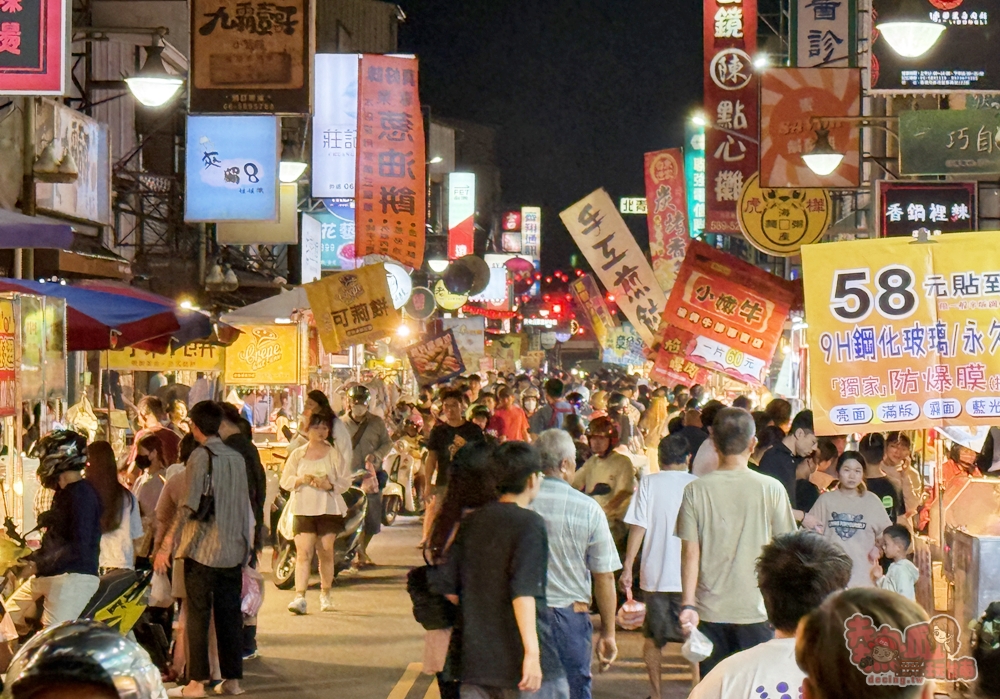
x: 292, y: 164
x: 908, y: 29
x: 215, y: 277
x: 230, y: 281
x: 153, y: 86
x: 823, y: 159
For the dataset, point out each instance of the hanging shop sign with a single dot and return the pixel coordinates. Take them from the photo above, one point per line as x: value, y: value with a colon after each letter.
x: 34, y: 43
x: 780, y: 221
x: 731, y: 102
x: 447, y: 300
x: 461, y: 214
x: 903, y: 335
x: 956, y: 62
x: 506, y: 351
x: 310, y: 248
x: 470, y: 334
x: 421, y: 304
x: 232, y: 168
x: 824, y: 33
x: 694, y: 176
x: 250, y: 58
x: 263, y: 355
x: 591, y: 300
x: 666, y: 213
x: 400, y: 284
x: 511, y: 221
x: 531, y: 233
x: 623, y: 347
x: 196, y: 356
x: 353, y: 308
x: 671, y: 365
x: 735, y: 311
x: 940, y: 207
x: 337, y: 236
x: 55, y: 348
x: 633, y: 205
x: 283, y: 231
x: 790, y: 101
x: 8, y: 366
x: 949, y: 142
x: 32, y: 375
x: 607, y: 243
x: 436, y: 359
x: 497, y: 291
x: 335, y: 125
x: 391, y: 164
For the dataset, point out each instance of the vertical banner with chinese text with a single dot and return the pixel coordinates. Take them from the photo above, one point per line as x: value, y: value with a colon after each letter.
x: 335, y: 125
x: 607, y: 243
x: 353, y: 307
x: 461, y: 214
x: 590, y: 299
x: 694, y: 172
x: 904, y: 335
x: 8, y: 367
x: 666, y: 213
x: 391, y: 186
x: 730, y: 107
x: 824, y: 33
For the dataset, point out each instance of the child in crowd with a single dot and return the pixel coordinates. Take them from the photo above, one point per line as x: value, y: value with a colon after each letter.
x: 902, y: 575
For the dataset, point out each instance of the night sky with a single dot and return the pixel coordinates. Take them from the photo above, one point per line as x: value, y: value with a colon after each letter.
x: 578, y: 90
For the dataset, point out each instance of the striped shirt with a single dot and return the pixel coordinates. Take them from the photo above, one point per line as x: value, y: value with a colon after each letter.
x: 580, y: 542
x: 225, y: 541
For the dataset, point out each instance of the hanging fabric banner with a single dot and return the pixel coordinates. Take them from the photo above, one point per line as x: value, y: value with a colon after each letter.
x: 666, y: 213
x: 353, y: 307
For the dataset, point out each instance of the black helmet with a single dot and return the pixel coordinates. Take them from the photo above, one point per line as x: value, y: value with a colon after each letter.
x: 480, y: 411
x: 58, y: 452
x: 359, y: 394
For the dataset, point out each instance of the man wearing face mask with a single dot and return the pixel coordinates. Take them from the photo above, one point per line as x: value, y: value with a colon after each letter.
x: 370, y: 443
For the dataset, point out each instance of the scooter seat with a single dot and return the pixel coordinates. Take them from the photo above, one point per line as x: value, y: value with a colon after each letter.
x: 113, y: 585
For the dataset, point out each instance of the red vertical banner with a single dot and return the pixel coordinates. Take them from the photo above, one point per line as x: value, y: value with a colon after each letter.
x: 731, y: 109
x: 666, y: 213
x: 391, y: 198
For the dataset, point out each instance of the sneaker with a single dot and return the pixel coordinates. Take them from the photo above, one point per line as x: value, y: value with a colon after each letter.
x: 251, y: 654
x: 298, y: 605
x: 325, y: 602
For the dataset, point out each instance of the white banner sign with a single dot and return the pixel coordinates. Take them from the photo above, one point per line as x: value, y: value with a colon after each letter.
x: 311, y: 247
x: 823, y: 33
x: 335, y: 125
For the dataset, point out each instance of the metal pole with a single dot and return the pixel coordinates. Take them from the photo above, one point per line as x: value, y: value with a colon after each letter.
x: 28, y: 172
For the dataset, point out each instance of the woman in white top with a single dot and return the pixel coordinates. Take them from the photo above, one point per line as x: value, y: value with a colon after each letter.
x: 121, y: 522
x: 316, y: 475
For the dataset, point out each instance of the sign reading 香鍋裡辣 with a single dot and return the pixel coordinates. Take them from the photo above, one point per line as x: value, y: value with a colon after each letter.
x: 353, y: 307
x: 390, y: 184
x: 608, y: 245
x: 731, y: 105
x: 949, y: 142
x: 33, y: 47
x: 940, y: 207
x: 904, y: 335
x: 666, y: 213
x: 250, y: 57
x: 735, y: 311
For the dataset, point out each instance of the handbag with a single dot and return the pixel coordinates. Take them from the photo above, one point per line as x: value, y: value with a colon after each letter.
x: 206, y: 506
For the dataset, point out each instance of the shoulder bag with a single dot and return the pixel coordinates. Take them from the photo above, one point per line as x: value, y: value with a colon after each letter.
x: 206, y: 506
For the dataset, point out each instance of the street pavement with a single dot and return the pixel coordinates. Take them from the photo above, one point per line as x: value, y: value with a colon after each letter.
x: 371, y: 648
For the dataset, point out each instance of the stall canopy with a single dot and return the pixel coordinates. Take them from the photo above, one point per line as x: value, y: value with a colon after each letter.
x: 20, y: 231
x: 282, y: 306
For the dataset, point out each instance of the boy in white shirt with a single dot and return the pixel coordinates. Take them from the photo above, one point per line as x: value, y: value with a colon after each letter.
x: 902, y: 575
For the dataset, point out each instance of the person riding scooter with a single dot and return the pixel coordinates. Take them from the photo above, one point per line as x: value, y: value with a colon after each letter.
x: 66, y: 564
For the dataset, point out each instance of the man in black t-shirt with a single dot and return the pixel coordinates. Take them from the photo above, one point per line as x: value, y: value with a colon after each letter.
x: 781, y: 460
x: 496, y: 572
x: 872, y: 448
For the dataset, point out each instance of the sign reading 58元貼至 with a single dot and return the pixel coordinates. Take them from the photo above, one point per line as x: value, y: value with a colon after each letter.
x: 903, y: 334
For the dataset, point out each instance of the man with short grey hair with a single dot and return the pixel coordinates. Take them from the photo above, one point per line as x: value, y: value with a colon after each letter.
x: 580, y: 546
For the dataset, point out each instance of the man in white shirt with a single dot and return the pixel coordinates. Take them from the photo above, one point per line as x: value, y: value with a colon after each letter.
x: 652, y: 516
x: 795, y: 573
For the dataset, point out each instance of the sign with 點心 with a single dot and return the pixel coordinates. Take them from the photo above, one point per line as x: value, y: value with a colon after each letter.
x: 591, y: 300
x: 263, y: 355
x: 232, y: 168
x: 195, y: 356
x: 671, y: 365
x: 949, y: 142
x: 903, y: 335
x: 791, y: 99
x: 824, y: 33
x: 694, y: 174
x: 667, y: 213
x: 250, y: 57
x: 436, y: 359
x: 940, y: 207
x: 34, y: 44
x: 461, y: 214
x: 731, y: 107
x: 959, y: 61
x: 391, y: 164
x: 623, y: 346
x: 735, y: 311
x: 612, y: 251
x: 337, y: 236
x: 632, y: 205
x: 335, y: 125
x: 780, y: 221
x: 352, y: 308
x: 8, y: 366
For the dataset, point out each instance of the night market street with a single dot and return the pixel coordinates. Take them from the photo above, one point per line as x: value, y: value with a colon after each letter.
x: 370, y: 648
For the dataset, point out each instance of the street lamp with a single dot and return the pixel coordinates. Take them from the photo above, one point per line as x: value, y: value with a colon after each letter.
x: 909, y: 30
x: 292, y: 163
x: 153, y: 86
x: 437, y: 265
x: 823, y: 159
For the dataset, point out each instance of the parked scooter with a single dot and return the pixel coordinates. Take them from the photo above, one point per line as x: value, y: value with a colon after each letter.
x: 399, y: 495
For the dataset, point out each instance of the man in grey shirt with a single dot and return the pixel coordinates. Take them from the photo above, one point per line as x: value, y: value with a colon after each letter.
x: 370, y: 443
x: 215, y: 551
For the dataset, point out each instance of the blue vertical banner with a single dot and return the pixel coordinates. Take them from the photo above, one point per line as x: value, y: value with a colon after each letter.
x: 337, y: 235
x: 694, y: 169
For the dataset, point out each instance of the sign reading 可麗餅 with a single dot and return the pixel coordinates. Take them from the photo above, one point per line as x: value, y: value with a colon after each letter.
x: 949, y: 142
x: 666, y: 216
x: 902, y: 335
x: 250, y: 57
x: 33, y: 47
x: 335, y: 125
x: 735, y: 311
x: 823, y: 33
x: 731, y: 103
x: 353, y: 307
x: 391, y: 190
x: 608, y: 245
x: 940, y: 207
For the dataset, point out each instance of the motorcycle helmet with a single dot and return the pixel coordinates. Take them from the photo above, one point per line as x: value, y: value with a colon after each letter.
x: 415, y: 419
x: 531, y: 392
x: 617, y: 402
x: 359, y: 395
x: 604, y: 427
x: 58, y: 452
x: 85, y: 652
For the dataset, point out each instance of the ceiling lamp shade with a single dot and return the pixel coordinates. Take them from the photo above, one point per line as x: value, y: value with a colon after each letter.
x: 823, y: 159
x: 153, y: 86
x: 908, y: 28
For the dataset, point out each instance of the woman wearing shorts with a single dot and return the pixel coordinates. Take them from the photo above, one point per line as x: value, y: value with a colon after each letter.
x: 316, y: 476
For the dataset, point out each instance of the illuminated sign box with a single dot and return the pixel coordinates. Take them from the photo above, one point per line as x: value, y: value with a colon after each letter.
x: 632, y: 205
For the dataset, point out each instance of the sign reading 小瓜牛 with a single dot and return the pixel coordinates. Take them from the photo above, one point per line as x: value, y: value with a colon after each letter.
x: 949, y: 142
x: 904, y: 335
x: 250, y: 57
x: 666, y: 213
x: 607, y: 243
x: 352, y: 308
x: 940, y: 207
x: 735, y: 311
x: 33, y: 47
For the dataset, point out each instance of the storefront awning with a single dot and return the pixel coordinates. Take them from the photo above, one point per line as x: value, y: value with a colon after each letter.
x: 20, y: 231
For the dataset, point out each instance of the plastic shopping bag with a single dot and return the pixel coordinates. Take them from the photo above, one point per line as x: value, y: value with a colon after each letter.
x: 160, y: 591
x: 632, y: 613
x: 697, y: 647
x: 253, y: 592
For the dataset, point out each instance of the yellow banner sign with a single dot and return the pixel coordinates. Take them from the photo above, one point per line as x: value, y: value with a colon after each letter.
x: 8, y: 369
x: 197, y: 356
x: 904, y: 335
x: 352, y: 308
x: 264, y: 355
